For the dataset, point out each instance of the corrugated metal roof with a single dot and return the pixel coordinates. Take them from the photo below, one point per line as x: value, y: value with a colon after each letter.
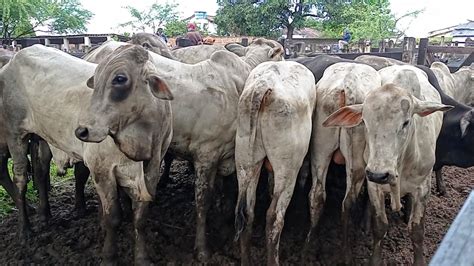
x: 464, y: 30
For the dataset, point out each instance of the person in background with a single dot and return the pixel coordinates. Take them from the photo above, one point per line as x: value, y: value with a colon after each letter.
x: 346, y: 37
x: 193, y: 35
x: 162, y: 35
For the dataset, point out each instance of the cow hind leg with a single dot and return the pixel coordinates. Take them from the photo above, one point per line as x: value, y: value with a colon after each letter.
x: 19, y: 148
x: 248, y: 177
x: 140, y: 209
x: 81, y: 174
x: 285, y: 180
x: 205, y: 177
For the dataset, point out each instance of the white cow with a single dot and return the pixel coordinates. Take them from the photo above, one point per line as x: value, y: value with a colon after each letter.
x: 45, y: 98
x: 401, y: 142
x: 204, y: 110
x: 342, y: 84
x: 196, y: 53
x: 274, y: 124
x: 458, y: 85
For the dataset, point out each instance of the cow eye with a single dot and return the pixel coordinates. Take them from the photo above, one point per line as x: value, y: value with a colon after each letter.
x: 405, y: 124
x: 119, y: 80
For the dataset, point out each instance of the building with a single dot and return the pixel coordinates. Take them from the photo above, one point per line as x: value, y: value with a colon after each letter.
x: 203, y: 21
x: 68, y: 43
x: 458, y: 33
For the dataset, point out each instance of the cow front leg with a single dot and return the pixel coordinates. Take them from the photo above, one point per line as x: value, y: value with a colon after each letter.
x: 19, y: 148
x: 41, y: 159
x: 440, y: 185
x: 81, y: 174
x: 205, y: 177
x: 416, y: 227
x: 380, y: 224
x: 107, y: 190
x: 140, y: 210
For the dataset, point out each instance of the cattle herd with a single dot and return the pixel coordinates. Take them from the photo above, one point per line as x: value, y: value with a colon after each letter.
x: 123, y: 108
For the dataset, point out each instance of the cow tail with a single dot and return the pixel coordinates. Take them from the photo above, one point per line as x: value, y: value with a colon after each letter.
x: 240, y: 214
x: 259, y: 97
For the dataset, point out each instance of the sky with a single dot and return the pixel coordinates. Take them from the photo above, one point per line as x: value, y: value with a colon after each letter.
x: 437, y: 14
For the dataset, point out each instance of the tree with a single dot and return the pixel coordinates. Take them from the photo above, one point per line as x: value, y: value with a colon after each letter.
x: 175, y: 28
x: 154, y: 17
x: 21, y: 18
x: 263, y: 17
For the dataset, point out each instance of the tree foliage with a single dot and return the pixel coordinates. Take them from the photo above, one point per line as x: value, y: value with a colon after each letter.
x: 25, y: 17
x: 154, y: 17
x: 175, y: 28
x: 371, y: 19
x: 262, y: 17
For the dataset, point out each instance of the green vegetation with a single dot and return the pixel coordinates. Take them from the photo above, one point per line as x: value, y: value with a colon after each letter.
x: 6, y: 203
x: 19, y: 18
x: 154, y: 17
x: 175, y: 28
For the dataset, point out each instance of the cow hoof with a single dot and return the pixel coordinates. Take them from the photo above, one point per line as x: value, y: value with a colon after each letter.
x: 203, y: 256
x: 442, y: 191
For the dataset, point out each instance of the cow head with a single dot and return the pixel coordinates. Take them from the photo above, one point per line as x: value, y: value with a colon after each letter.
x: 259, y: 51
x: 125, y: 103
x: 388, y: 113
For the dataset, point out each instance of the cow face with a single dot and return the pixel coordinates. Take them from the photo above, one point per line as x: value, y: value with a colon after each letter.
x: 259, y: 51
x: 388, y: 114
x: 125, y: 88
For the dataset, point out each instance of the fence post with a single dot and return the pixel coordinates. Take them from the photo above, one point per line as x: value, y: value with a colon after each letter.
x: 422, y: 49
x: 361, y: 45
x: 382, y: 44
x: 442, y: 41
x: 409, y: 45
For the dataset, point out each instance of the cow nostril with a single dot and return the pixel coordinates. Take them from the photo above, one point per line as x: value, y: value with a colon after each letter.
x: 377, y: 177
x: 82, y: 133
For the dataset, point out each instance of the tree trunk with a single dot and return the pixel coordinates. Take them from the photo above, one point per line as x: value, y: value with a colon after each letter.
x: 289, y: 32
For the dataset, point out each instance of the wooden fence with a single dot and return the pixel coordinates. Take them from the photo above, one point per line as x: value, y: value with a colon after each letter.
x: 409, y: 53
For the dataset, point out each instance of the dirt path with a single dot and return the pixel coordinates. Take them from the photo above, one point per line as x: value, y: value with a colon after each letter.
x: 171, y: 229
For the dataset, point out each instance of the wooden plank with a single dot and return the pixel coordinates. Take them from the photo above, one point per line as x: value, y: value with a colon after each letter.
x: 409, y: 46
x: 352, y: 56
x: 422, y: 47
x: 457, y: 247
x: 450, y: 49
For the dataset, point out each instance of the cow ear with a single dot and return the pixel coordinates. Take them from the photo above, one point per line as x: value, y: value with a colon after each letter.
x: 348, y: 116
x: 236, y: 49
x: 274, y: 52
x: 159, y: 88
x: 423, y: 108
x: 465, y: 121
x: 90, y: 82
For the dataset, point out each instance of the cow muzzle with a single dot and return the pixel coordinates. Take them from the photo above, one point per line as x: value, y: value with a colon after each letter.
x: 379, y: 178
x: 85, y: 134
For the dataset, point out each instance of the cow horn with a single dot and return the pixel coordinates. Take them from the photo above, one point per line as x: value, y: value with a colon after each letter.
x: 465, y: 122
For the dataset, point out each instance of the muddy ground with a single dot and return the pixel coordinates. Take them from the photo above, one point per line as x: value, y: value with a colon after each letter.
x: 171, y: 228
